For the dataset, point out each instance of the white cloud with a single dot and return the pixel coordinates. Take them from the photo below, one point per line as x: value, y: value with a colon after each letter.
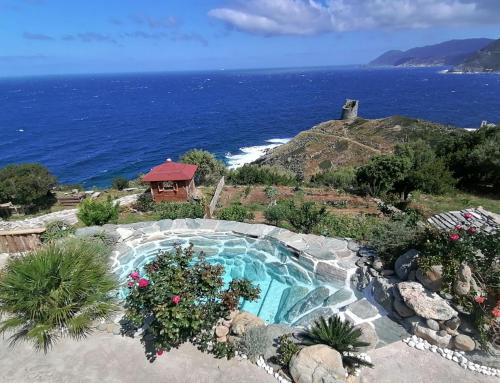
x: 308, y: 17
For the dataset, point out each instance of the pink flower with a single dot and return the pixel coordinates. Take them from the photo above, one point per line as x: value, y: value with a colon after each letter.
x: 468, y: 216
x: 459, y: 227
x: 176, y: 299
x: 454, y: 237
x: 143, y: 282
x: 130, y: 284
x: 495, y: 312
x: 472, y: 230
x: 159, y: 352
x: 480, y: 299
x: 135, y: 275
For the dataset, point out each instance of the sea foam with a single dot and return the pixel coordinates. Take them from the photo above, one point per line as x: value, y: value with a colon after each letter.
x: 248, y: 154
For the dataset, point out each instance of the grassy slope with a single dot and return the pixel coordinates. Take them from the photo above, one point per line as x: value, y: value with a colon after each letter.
x: 339, y: 143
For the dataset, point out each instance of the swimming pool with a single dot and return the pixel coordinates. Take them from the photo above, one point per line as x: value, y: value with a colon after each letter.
x: 289, y: 291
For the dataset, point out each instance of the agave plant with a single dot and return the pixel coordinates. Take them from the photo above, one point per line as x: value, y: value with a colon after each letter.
x: 59, y: 290
x: 340, y: 335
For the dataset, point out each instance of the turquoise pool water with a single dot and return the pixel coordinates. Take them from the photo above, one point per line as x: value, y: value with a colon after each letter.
x: 288, y: 291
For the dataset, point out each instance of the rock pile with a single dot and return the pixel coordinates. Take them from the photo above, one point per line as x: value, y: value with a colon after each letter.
x: 409, y: 295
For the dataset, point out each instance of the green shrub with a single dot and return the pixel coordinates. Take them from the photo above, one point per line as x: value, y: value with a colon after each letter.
x: 342, y: 178
x: 391, y: 238
x: 57, y: 291
x: 276, y: 214
x: 119, y: 183
x: 254, y: 342
x: 261, y: 175
x: 181, y: 297
x: 210, y: 169
x: 26, y: 184
x: 175, y: 210
x: 56, y: 230
x: 235, y: 213
x: 306, y: 217
x: 287, y: 348
x: 145, y: 202
x: 93, y: 212
x: 339, y: 335
x: 335, y: 225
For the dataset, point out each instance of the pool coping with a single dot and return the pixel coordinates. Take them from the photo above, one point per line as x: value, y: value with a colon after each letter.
x: 326, y: 257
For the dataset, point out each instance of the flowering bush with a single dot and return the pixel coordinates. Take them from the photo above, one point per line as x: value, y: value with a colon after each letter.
x: 180, y: 297
x: 481, y: 252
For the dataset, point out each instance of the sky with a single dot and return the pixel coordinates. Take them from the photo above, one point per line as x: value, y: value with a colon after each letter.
x: 110, y: 36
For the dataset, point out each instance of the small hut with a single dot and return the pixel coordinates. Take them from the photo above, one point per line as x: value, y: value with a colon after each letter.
x: 172, y: 181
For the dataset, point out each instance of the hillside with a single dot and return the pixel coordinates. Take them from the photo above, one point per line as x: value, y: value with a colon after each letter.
x: 485, y: 60
x: 452, y: 52
x: 339, y: 143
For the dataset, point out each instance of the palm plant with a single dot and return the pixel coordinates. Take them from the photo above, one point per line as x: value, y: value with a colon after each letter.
x: 342, y: 336
x: 59, y: 290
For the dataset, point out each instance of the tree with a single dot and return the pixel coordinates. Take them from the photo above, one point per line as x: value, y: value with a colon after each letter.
x: 119, y: 183
x: 381, y: 173
x: 307, y: 216
x: 210, y: 169
x: 26, y: 184
x: 426, y: 173
x: 59, y: 290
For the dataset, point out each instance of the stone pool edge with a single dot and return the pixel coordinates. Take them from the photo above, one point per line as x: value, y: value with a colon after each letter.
x: 327, y: 258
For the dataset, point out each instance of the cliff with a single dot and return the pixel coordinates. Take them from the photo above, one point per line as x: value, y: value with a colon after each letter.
x: 452, y: 52
x: 348, y: 143
x: 485, y: 60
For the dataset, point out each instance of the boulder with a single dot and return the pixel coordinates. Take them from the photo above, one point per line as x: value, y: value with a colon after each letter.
x: 378, y: 264
x: 313, y: 299
x: 271, y: 334
x: 464, y: 343
x: 317, y: 364
x: 453, y: 323
x: 221, y: 331
x: 433, y: 337
x: 243, y: 321
x: 431, y: 279
x: 405, y: 263
x: 382, y: 291
x: 401, y: 308
x: 432, y: 324
x: 463, y: 279
x: 361, y: 278
x: 368, y: 335
x: 426, y: 304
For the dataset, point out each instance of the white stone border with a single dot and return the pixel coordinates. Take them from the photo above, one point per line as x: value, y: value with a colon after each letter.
x: 455, y: 356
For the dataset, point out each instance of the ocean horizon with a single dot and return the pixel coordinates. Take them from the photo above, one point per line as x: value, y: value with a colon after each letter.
x: 90, y: 128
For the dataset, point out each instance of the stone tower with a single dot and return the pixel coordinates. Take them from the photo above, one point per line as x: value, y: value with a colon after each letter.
x: 350, y: 110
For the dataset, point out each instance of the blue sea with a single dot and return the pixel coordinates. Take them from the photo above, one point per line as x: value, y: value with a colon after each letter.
x: 90, y: 128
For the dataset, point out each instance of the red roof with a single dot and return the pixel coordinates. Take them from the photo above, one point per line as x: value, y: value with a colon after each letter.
x: 171, y: 171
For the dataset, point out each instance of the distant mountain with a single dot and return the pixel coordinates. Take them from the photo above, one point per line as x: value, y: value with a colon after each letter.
x: 484, y: 60
x: 452, y: 53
